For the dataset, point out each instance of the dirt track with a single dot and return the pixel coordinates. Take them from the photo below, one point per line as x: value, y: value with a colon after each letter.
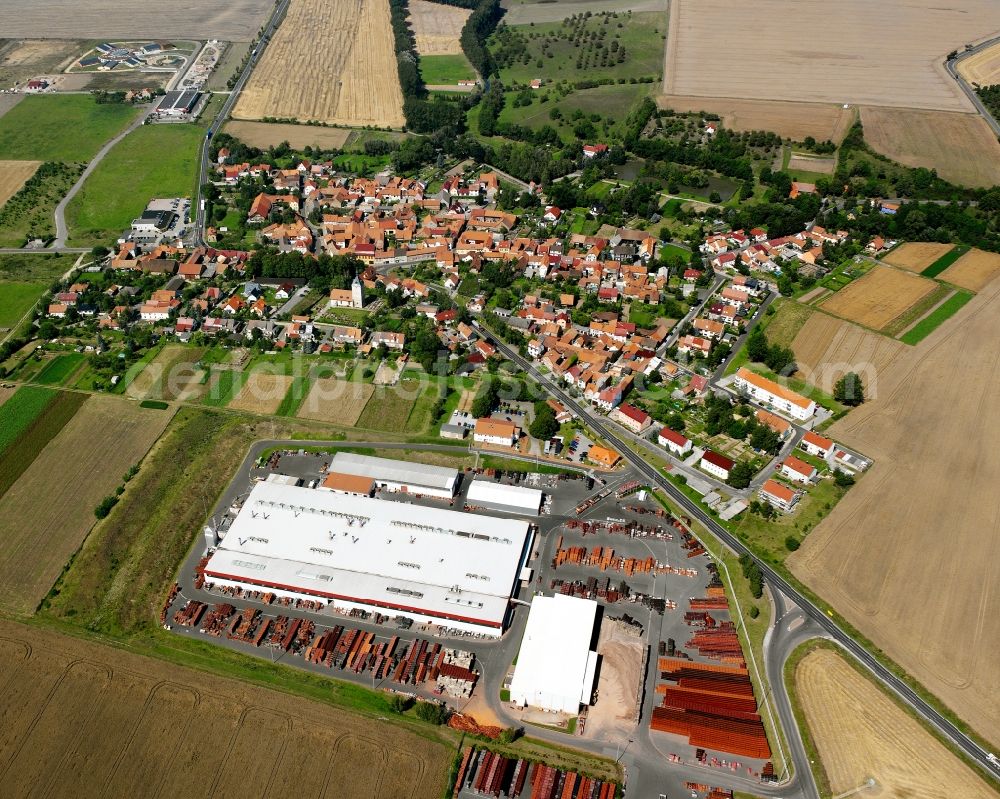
x: 860, y: 734
x: 911, y: 555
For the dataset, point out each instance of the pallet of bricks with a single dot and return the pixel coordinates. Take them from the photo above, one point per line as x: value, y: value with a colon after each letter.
x: 602, y: 558
x: 487, y: 773
x: 593, y: 588
x: 713, y: 705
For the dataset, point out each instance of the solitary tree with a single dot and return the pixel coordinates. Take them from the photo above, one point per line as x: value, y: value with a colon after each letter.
x: 849, y: 390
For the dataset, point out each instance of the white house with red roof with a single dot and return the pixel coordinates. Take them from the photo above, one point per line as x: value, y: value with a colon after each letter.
x: 674, y: 442
x: 817, y: 445
x: 778, y: 496
x: 631, y: 417
x: 797, y: 470
x: 716, y: 465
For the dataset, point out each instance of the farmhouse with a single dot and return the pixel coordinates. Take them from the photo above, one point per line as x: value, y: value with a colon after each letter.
x: 779, y: 496
x: 677, y: 444
x: 817, y: 445
x: 797, y: 470
x: 767, y: 392
x: 505, y: 498
x: 403, y: 476
x: 496, y: 431
x: 556, y: 666
x: 437, y: 566
x: 716, y: 465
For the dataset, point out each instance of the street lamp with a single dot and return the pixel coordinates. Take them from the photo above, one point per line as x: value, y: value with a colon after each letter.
x: 618, y: 757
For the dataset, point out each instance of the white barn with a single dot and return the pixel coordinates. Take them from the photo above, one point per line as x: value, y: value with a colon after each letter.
x: 413, y: 478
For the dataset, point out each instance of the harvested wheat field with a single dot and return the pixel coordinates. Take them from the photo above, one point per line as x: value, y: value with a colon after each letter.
x: 173, y: 374
x: 961, y: 147
x: 983, y: 68
x: 13, y: 175
x: 81, y: 719
x: 269, y: 134
x: 877, y: 298
x: 261, y: 392
x: 76, y: 469
x: 862, y: 734
x: 812, y: 163
x: 923, y: 516
x: 973, y: 270
x: 848, y: 65
x: 916, y: 256
x: 791, y: 120
x: 826, y: 348
x: 437, y: 27
x: 330, y: 61
x: 337, y: 401
x: 228, y: 20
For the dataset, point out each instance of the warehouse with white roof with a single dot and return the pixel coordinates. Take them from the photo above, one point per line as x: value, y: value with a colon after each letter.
x: 505, y: 498
x: 556, y: 667
x: 436, y: 566
x: 413, y: 478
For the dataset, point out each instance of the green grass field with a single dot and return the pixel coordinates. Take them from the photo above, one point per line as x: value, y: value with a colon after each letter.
x: 20, y: 453
x: 945, y: 261
x: 152, y: 161
x: 933, y: 320
x: 17, y: 413
x: 16, y: 299
x: 445, y: 70
x: 60, y: 127
x: 387, y: 409
x: 31, y: 267
x: 612, y: 102
x: 60, y: 368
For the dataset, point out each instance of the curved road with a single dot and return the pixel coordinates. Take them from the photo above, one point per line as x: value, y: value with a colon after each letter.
x: 829, y: 627
x: 61, y: 231
x: 951, y: 65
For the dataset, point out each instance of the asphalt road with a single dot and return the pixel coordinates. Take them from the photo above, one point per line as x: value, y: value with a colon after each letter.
x: 828, y: 626
x: 223, y: 115
x: 952, y: 66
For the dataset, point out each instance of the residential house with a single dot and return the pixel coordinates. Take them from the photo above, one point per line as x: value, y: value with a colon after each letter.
x: 778, y: 496
x: 717, y: 465
x: 498, y: 432
x: 798, y: 470
x: 675, y: 443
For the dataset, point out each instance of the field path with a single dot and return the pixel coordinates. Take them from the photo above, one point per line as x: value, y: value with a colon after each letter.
x: 61, y: 231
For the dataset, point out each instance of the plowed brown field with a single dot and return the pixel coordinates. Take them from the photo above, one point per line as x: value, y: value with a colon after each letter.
x: 911, y: 555
x: 270, y: 134
x: 81, y: 719
x: 973, y: 270
x: 861, y: 734
x: 330, y: 61
x: 877, y: 298
x: 822, y: 121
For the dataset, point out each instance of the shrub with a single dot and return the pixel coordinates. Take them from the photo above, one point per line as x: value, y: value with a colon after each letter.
x: 792, y: 543
x: 432, y: 712
x: 105, y: 505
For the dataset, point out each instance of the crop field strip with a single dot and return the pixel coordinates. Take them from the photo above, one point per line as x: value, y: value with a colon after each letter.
x: 234, y: 20
x: 983, y: 67
x: 262, y: 392
x: 83, y: 719
x: 351, y: 77
x: 74, y: 471
x: 918, y: 517
x: 880, y: 297
x: 916, y: 256
x: 341, y: 402
x: 973, y: 271
x: 861, y: 733
x: 172, y: 374
x: 271, y: 134
x: 909, y: 62
x: 58, y: 370
x: 437, y: 27
x: 13, y: 175
x: 938, y: 316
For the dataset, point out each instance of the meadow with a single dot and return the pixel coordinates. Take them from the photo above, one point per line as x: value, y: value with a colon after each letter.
x: 153, y: 161
x: 445, y: 70
x: 60, y: 127
x: 16, y: 299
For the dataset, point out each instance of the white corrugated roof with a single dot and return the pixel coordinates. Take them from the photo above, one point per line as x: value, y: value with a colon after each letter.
x: 404, y: 472
x: 555, y: 667
x: 369, y: 550
x: 530, y: 499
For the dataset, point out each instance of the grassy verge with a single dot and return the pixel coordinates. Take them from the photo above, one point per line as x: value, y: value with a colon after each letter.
x: 935, y: 318
x: 914, y: 312
x: 945, y: 261
x: 815, y: 761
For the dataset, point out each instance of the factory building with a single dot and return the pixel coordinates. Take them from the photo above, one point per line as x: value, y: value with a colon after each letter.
x: 556, y: 666
x: 505, y: 498
x: 433, y: 565
x: 390, y: 475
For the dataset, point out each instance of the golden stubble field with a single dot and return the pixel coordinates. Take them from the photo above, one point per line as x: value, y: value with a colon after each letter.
x: 911, y: 555
x: 233, y: 20
x: 827, y: 348
x: 973, y: 270
x: 877, y: 298
x: 172, y: 375
x: 13, y: 175
x: 261, y: 393
x: 916, y: 256
x: 847, y: 63
x: 861, y: 733
x: 330, y: 61
x: 270, y: 134
x: 79, y: 467
x: 338, y: 401
x: 982, y: 68
x: 81, y: 719
x: 436, y: 27
x: 961, y: 147
x: 822, y: 121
